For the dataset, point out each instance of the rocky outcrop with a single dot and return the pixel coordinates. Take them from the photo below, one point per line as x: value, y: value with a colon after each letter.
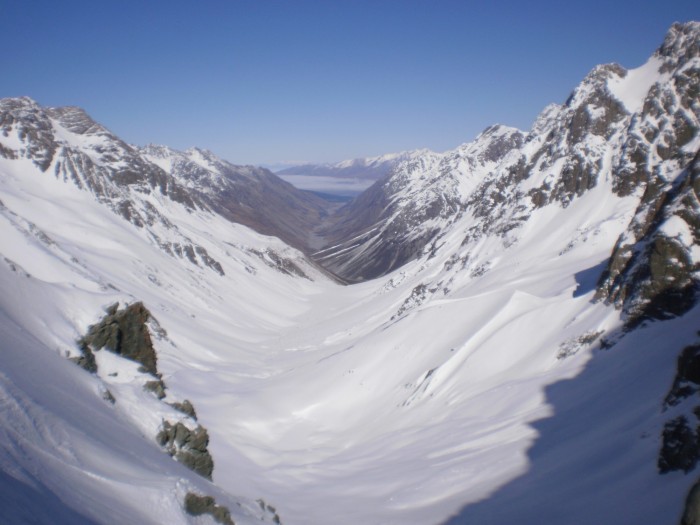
x: 686, y: 384
x: 126, y: 333
x: 280, y: 263
x: 186, y: 408
x: 123, y: 332
x: 680, y: 439
x: 187, y: 446
x: 269, y: 509
x: 680, y: 448
x: 196, y: 505
x: 652, y: 273
x: 691, y: 511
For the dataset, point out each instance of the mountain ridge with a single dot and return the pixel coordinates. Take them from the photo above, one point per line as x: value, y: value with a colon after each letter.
x: 364, y: 168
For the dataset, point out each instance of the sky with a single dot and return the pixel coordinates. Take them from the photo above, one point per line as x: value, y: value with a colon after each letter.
x: 278, y: 82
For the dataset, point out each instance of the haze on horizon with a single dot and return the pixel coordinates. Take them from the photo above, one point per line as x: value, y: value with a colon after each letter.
x: 273, y: 82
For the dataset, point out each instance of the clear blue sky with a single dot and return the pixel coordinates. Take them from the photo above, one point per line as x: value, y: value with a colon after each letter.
x: 265, y: 81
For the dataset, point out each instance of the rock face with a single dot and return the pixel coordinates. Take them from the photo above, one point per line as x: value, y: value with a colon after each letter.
x: 680, y: 446
x: 680, y: 438
x: 691, y: 512
x: 687, y: 381
x: 652, y: 273
x: 196, y: 505
x: 189, y: 447
x: 123, y: 332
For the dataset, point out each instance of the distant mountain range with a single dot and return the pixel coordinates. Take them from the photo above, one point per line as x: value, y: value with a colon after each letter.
x: 370, y: 168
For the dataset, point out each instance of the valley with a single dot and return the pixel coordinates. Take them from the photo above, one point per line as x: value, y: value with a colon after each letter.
x: 483, y: 335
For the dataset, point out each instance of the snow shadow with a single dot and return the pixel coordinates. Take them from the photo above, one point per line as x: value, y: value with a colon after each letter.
x: 593, y: 460
x: 587, y: 280
x: 24, y: 503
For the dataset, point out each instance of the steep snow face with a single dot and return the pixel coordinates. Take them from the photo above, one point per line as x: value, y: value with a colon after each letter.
x: 477, y: 383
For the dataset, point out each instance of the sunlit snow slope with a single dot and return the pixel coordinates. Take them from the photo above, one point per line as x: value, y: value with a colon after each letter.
x: 477, y: 383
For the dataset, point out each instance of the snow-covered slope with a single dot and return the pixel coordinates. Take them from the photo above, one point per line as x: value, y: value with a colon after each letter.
x: 244, y: 194
x: 489, y: 379
x: 79, y: 233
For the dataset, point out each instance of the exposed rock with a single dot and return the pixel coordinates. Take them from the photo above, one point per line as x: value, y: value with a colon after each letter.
x: 680, y: 448
x: 687, y: 380
x: 418, y: 296
x: 266, y: 507
x: 87, y: 359
x: 691, y: 512
x: 651, y: 274
x: 196, y: 505
x: 189, y: 447
x: 680, y: 442
x: 186, y: 408
x: 125, y: 333
x: 157, y: 387
x: 107, y: 396
x: 572, y: 346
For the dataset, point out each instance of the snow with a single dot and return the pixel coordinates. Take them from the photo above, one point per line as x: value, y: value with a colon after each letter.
x: 313, y: 397
x: 676, y: 227
x: 632, y: 89
x: 199, y: 157
x: 470, y: 383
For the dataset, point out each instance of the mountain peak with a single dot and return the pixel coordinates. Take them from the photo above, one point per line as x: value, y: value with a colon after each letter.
x: 76, y: 120
x: 682, y: 41
x: 18, y: 103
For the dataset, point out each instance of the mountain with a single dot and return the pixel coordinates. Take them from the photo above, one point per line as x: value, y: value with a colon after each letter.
x: 68, y: 141
x: 370, y: 168
x: 634, y: 128
x: 392, y: 222
x: 244, y: 194
x: 90, y: 224
x: 521, y: 343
